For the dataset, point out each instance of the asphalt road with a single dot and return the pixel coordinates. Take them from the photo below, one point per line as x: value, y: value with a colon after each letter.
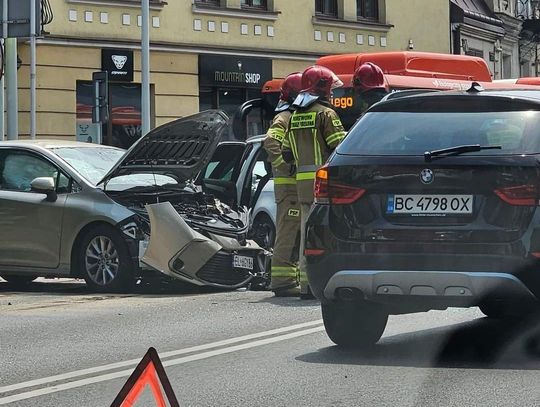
x: 61, y: 345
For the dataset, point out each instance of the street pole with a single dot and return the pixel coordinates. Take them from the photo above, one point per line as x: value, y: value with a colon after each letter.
x: 2, y: 82
x: 99, y: 119
x: 145, y: 66
x: 12, y: 96
x: 33, y: 69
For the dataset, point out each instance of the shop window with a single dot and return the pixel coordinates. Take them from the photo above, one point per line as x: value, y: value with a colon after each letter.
x: 125, y: 114
x: 326, y: 8
x: 258, y: 4
x: 367, y: 9
x: 229, y: 100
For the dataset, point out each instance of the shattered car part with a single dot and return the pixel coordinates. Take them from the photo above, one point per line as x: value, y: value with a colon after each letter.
x: 188, y: 234
x: 115, y: 214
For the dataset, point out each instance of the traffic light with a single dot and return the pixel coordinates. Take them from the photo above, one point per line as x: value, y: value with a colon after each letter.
x: 100, y: 106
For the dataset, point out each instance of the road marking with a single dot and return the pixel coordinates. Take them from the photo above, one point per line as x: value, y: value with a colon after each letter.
x: 301, y: 330
x: 164, y: 355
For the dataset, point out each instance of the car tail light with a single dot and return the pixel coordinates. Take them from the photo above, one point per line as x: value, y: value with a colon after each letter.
x: 321, y: 186
x: 334, y: 193
x: 520, y: 195
x: 345, y: 194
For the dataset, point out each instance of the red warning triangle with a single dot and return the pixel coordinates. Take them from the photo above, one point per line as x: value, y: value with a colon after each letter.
x: 149, y: 372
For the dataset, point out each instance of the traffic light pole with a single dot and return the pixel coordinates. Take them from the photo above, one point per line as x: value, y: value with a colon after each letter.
x: 12, y: 91
x: 2, y: 83
x: 145, y: 66
x: 33, y: 69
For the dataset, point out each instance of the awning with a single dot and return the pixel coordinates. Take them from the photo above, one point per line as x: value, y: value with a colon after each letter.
x: 477, y: 13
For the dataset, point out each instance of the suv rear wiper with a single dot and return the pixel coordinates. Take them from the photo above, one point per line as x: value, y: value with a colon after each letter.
x: 468, y: 148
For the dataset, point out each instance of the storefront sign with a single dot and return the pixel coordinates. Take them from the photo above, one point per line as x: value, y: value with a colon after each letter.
x: 232, y: 71
x: 119, y: 64
x: 88, y: 132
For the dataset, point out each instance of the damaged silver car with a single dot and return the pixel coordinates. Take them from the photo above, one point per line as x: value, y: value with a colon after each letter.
x: 81, y: 210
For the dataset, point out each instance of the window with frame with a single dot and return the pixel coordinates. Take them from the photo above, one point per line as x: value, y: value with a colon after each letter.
x: 367, y: 9
x: 257, y: 4
x: 326, y: 8
x: 208, y: 3
x: 19, y: 169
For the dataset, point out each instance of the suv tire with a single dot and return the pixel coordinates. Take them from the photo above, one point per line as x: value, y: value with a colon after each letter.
x: 509, y: 310
x: 264, y: 231
x: 354, y: 325
x: 105, y: 261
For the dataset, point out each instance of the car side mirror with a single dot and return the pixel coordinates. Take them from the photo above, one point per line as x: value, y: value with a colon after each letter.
x: 44, y: 185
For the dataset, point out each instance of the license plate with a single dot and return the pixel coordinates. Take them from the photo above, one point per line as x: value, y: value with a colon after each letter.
x: 430, y: 204
x: 243, y: 262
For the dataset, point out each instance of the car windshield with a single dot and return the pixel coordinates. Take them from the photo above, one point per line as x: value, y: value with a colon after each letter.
x: 413, y: 133
x: 93, y: 163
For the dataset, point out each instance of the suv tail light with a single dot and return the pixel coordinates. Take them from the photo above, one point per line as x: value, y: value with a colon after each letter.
x: 321, y: 186
x: 520, y: 195
x: 336, y: 194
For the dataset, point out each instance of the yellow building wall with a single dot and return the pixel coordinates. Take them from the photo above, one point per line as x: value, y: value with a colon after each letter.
x: 425, y: 22
x: 294, y: 27
x: 282, y: 68
x: 174, y: 80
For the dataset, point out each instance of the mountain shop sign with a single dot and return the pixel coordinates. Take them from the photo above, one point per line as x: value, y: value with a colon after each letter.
x: 232, y: 71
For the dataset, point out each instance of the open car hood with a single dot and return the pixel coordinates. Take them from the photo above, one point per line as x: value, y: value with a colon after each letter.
x: 179, y: 149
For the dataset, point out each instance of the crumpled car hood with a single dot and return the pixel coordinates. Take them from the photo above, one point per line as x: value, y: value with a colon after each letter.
x: 179, y: 149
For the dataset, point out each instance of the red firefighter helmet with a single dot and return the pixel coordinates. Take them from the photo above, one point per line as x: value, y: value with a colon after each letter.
x: 291, y: 87
x: 319, y: 81
x: 368, y: 76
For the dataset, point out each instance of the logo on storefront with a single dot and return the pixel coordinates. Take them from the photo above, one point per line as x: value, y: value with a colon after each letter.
x: 119, y: 61
x: 221, y: 70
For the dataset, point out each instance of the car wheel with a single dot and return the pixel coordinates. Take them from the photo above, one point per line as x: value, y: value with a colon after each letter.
x: 264, y: 232
x: 354, y: 325
x: 105, y: 261
x: 18, y: 281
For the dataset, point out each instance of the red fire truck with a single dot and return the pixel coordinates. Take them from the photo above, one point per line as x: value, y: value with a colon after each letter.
x: 402, y: 69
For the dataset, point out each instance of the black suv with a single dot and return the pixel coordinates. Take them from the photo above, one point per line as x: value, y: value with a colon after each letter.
x: 430, y: 202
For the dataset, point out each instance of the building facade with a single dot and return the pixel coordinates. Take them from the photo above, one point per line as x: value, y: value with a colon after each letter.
x: 204, y: 53
x: 497, y: 31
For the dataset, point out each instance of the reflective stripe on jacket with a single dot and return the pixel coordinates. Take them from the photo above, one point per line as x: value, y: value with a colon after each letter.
x: 284, y: 178
x: 314, y: 132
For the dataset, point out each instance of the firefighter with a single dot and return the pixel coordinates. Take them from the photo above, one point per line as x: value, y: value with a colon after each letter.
x: 314, y: 132
x: 284, y: 270
x: 369, y: 84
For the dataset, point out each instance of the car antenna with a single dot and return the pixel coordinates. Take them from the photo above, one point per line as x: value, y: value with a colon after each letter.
x: 475, y: 88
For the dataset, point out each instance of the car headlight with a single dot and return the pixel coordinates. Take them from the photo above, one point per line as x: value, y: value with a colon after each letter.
x: 131, y: 230
x: 136, y: 228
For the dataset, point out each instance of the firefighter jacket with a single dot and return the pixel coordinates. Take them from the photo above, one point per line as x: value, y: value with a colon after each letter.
x: 284, y: 177
x: 313, y: 133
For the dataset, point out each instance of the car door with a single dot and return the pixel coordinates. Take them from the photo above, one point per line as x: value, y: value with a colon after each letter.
x: 220, y: 175
x: 30, y: 225
x: 257, y: 174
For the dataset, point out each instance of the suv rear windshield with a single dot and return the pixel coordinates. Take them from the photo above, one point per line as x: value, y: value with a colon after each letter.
x: 413, y: 133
